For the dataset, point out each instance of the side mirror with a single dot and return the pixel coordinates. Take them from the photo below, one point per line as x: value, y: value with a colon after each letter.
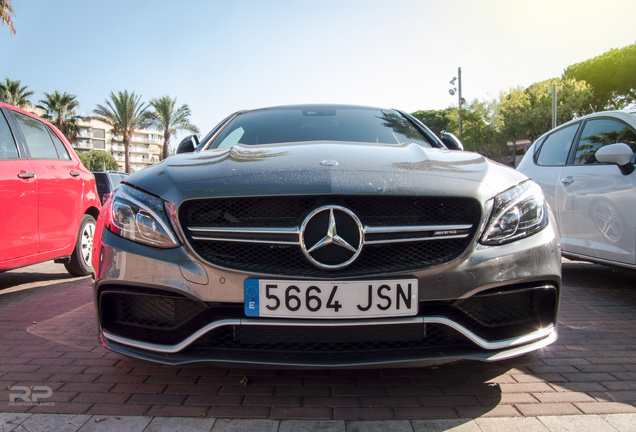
x: 452, y: 142
x: 188, y: 144
x: 619, y: 154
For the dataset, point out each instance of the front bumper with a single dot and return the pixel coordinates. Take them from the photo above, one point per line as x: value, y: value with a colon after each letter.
x: 167, y: 306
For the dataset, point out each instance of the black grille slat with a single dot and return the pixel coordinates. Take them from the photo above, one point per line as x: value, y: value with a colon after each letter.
x: 244, y: 213
x: 290, y: 261
x: 289, y: 212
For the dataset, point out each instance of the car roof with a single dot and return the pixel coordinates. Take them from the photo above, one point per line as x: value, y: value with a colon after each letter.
x: 624, y: 114
x: 20, y: 110
x: 609, y: 113
x: 35, y: 116
x: 317, y: 105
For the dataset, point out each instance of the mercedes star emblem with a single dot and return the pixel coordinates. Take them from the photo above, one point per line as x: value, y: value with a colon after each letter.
x: 331, y: 237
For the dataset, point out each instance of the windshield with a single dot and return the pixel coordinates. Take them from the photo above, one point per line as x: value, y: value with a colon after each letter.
x: 319, y: 123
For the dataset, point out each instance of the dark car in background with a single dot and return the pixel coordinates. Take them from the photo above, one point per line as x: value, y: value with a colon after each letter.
x: 326, y: 236
x: 106, y: 182
x: 48, y: 197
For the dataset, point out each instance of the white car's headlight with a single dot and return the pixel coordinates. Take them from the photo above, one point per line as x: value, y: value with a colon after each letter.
x: 140, y: 217
x: 517, y: 213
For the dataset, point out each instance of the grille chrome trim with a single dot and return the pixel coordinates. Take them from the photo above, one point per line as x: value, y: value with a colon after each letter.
x: 416, y: 239
x: 221, y: 230
x: 240, y: 240
x: 251, y: 235
x: 411, y: 228
x: 171, y: 349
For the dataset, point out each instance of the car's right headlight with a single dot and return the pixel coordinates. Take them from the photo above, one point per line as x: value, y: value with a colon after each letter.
x: 140, y: 217
x: 517, y: 213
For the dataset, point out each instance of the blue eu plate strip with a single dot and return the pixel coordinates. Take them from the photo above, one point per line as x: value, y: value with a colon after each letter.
x: 251, y: 297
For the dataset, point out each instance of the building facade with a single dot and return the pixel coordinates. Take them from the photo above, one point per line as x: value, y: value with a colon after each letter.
x: 145, y: 144
x: 94, y: 134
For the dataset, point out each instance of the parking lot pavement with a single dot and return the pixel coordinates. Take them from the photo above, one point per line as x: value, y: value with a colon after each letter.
x: 53, y: 370
x: 87, y: 423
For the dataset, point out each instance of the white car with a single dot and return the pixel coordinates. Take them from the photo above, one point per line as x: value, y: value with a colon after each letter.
x: 586, y: 170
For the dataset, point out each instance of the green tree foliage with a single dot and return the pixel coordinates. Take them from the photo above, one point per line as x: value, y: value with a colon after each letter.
x: 169, y: 119
x: 98, y: 161
x: 7, y: 15
x: 513, y: 109
x: 60, y: 110
x: 607, y: 81
x: 480, y: 129
x: 436, y: 120
x: 573, y: 100
x: 612, y: 76
x: 125, y: 113
x: 13, y: 94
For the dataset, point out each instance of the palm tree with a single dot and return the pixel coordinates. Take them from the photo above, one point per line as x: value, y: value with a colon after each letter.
x: 125, y: 113
x: 13, y: 94
x: 60, y: 109
x: 170, y: 120
x: 6, y: 10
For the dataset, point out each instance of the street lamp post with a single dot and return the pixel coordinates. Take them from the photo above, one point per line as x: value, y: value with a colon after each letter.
x: 553, y: 92
x: 458, y: 78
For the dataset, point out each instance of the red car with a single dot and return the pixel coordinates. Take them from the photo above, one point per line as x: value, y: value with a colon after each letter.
x: 48, y: 198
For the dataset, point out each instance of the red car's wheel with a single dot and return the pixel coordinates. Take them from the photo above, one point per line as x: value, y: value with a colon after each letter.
x: 80, y: 262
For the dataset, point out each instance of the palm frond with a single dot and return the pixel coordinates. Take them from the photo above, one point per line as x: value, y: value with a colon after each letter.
x: 6, y: 13
x: 169, y: 119
x: 13, y: 94
x: 125, y: 112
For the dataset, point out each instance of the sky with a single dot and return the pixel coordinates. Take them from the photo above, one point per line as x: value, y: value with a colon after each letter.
x: 221, y: 56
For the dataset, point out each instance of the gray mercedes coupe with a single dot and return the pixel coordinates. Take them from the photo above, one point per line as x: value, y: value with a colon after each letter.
x: 326, y: 236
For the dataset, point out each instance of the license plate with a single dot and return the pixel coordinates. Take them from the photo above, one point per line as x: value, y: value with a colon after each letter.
x: 330, y: 300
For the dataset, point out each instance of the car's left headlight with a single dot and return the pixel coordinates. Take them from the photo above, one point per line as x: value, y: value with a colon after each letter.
x: 517, y: 213
x: 140, y: 217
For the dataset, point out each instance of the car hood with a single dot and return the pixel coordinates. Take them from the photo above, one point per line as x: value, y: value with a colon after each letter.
x: 325, y: 168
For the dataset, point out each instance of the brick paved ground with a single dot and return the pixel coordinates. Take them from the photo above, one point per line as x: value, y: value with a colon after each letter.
x: 48, y: 338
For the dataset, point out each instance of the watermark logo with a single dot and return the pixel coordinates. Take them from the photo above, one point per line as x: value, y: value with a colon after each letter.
x: 29, y: 396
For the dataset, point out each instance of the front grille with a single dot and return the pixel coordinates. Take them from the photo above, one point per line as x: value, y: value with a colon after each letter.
x: 385, y: 253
